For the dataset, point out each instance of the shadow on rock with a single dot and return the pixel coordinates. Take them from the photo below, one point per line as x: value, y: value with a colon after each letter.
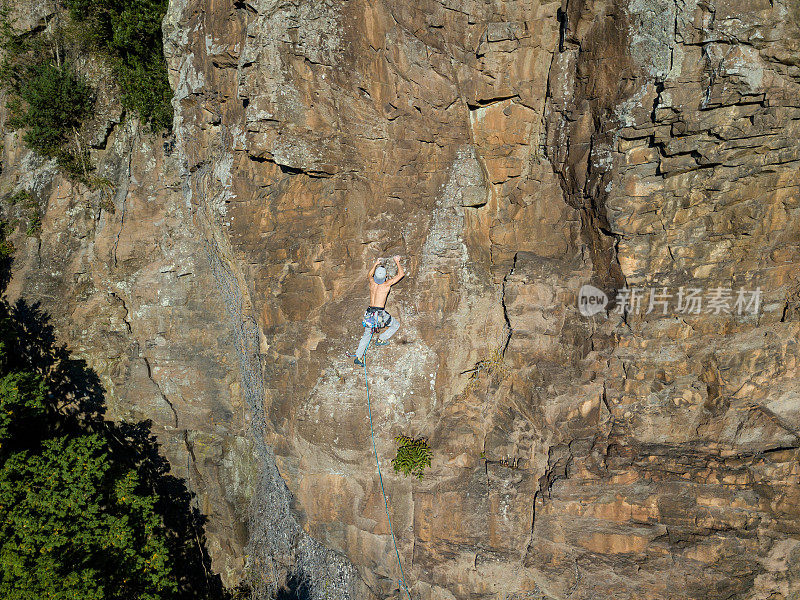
x: 76, y: 405
x: 297, y: 588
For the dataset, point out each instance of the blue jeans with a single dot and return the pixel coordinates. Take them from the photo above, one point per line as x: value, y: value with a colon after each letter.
x: 390, y: 331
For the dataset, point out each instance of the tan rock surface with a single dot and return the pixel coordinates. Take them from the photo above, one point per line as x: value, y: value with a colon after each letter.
x: 511, y: 152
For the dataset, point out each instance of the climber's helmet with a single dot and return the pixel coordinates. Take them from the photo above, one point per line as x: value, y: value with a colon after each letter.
x: 380, y: 275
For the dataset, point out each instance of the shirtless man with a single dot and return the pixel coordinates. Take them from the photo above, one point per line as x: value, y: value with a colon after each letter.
x: 376, y: 316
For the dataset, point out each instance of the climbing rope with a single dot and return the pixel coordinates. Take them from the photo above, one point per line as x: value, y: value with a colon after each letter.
x: 402, y: 581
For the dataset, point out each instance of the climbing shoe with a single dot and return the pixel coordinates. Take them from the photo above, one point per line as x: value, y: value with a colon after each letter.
x: 382, y: 343
x: 358, y: 363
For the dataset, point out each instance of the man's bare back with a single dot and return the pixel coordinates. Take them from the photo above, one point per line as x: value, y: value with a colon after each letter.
x: 378, y: 292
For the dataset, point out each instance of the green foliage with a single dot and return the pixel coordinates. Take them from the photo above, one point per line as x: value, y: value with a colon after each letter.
x: 6, y: 247
x: 413, y: 455
x: 34, y: 225
x: 47, y: 98
x: 129, y: 33
x: 74, y: 523
x: 87, y: 510
x: 22, y: 402
x: 75, y: 527
x: 20, y: 197
x: 56, y: 101
x: 6, y: 259
x: 50, y: 101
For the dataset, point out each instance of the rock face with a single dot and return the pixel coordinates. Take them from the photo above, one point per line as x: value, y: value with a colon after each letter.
x: 511, y: 152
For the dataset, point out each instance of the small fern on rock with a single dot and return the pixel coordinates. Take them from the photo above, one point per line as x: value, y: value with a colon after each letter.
x: 413, y: 455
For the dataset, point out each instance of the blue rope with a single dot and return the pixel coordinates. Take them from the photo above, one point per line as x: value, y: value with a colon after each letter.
x: 380, y: 477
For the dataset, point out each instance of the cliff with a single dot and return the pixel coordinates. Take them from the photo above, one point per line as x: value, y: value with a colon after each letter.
x: 511, y: 152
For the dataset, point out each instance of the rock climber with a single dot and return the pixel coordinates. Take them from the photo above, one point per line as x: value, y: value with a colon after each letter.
x: 376, y: 316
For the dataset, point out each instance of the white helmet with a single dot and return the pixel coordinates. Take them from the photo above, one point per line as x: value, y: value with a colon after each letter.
x: 380, y: 275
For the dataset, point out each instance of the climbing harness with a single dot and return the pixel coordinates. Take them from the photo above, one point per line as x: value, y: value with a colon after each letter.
x: 402, y: 580
x: 376, y: 318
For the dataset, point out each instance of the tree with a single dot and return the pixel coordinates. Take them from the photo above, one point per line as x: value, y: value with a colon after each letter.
x: 129, y: 33
x: 47, y: 98
x: 87, y: 507
x: 73, y: 522
x: 74, y: 527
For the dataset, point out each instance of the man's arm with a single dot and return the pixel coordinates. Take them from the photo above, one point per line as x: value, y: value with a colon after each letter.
x: 372, y: 270
x: 400, y: 272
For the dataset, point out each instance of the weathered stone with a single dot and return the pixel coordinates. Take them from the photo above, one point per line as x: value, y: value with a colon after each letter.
x: 510, y: 153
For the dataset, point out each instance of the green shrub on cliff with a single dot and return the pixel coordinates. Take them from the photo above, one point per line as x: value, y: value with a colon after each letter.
x: 54, y: 103
x: 51, y: 101
x: 413, y: 455
x: 47, y: 98
x: 6, y: 254
x: 6, y: 248
x: 129, y: 33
